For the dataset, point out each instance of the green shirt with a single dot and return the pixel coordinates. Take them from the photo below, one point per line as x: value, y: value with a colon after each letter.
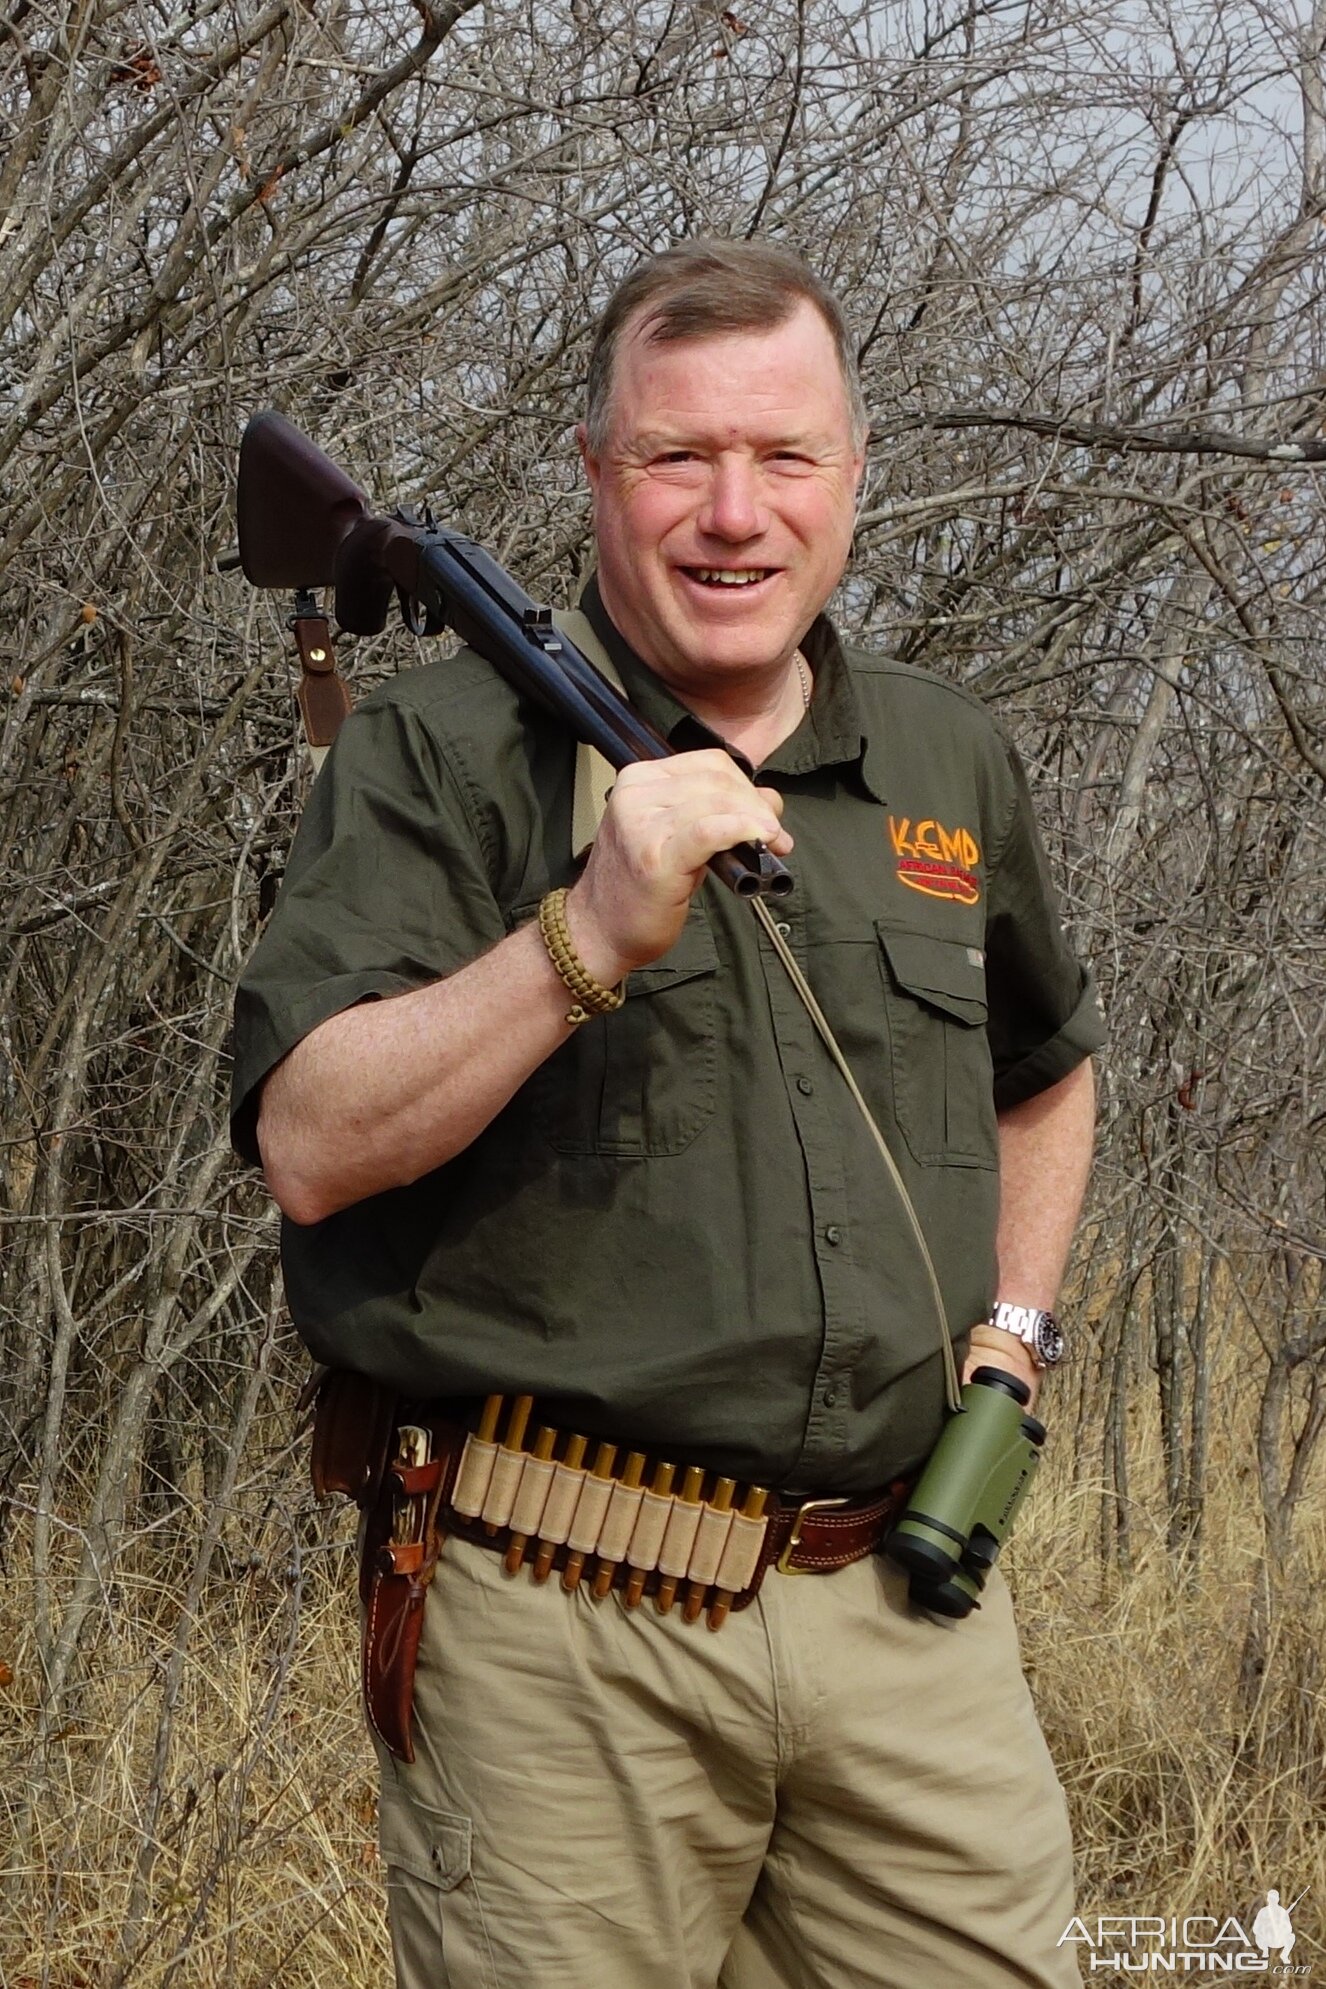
x: 678, y: 1233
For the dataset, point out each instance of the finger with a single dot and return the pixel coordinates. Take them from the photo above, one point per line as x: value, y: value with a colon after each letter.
x: 704, y: 771
x: 692, y: 842
x: 682, y: 805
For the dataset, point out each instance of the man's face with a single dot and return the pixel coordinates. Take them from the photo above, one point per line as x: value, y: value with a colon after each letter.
x: 724, y: 499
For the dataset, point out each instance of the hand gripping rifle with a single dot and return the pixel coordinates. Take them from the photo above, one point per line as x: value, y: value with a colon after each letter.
x: 303, y: 524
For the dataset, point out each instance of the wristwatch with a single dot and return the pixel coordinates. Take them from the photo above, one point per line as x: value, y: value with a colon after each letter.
x: 1039, y: 1332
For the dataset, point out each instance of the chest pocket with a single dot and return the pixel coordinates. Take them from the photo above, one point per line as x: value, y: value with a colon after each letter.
x: 640, y: 1081
x: 935, y: 1001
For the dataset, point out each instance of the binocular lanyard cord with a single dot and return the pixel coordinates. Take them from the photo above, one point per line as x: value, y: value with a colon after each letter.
x: 830, y: 1041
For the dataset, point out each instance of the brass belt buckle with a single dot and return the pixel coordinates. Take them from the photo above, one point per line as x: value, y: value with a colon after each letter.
x: 783, y: 1564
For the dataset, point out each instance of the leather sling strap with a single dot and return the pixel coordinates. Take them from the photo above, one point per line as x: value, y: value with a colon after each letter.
x: 593, y: 776
x: 593, y: 781
x: 322, y: 694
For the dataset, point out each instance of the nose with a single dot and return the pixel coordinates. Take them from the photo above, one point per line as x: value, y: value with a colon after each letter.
x: 732, y: 509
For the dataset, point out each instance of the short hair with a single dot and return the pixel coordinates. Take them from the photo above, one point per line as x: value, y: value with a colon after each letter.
x: 703, y: 289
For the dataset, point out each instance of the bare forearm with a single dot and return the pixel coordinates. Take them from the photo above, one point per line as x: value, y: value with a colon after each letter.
x: 1044, y: 1160
x: 386, y: 1091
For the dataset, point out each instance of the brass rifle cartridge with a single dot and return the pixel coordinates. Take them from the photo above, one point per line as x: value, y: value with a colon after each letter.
x: 752, y: 1509
x: 519, y: 1541
x: 564, y: 1493
x: 613, y: 1549
x: 708, y: 1549
x: 507, y: 1466
x: 593, y: 1503
x: 643, y: 1551
x: 691, y: 1486
x: 476, y: 1465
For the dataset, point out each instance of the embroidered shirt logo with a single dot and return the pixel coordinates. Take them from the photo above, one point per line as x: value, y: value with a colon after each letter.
x: 941, y: 862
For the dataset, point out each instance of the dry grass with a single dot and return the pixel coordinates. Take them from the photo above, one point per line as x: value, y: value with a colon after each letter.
x: 263, y: 1867
x: 1191, y: 1789
x: 1187, y: 1796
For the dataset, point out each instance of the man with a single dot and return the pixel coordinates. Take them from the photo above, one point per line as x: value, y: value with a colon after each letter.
x: 664, y: 1219
x: 1273, y: 1927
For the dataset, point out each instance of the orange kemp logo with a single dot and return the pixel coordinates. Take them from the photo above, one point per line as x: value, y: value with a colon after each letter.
x: 939, y: 861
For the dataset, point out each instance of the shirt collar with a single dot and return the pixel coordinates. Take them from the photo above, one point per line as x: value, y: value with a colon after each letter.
x: 830, y: 734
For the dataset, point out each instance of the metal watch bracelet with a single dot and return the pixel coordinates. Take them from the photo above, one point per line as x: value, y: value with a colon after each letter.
x: 1038, y: 1330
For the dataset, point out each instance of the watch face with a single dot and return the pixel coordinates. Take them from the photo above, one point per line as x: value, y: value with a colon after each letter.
x: 1049, y: 1340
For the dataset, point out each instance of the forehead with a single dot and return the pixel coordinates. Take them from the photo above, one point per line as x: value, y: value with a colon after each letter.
x: 787, y: 374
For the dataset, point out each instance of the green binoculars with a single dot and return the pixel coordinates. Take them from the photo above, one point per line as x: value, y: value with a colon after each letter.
x: 964, y: 1503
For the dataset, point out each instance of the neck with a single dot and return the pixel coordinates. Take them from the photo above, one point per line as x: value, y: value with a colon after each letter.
x: 756, y: 718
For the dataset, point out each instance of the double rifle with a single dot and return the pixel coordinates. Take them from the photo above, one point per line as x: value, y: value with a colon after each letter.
x: 304, y: 525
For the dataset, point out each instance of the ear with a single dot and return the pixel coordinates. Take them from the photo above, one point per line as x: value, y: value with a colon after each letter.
x: 593, y: 467
x: 858, y: 481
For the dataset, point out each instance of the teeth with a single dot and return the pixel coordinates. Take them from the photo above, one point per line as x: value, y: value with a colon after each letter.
x: 727, y: 577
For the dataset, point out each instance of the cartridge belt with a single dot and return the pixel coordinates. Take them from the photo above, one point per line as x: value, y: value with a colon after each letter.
x: 810, y: 1536
x: 619, y: 1519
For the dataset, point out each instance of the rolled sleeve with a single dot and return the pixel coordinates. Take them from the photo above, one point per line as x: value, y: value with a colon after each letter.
x: 1081, y: 1036
x: 386, y: 891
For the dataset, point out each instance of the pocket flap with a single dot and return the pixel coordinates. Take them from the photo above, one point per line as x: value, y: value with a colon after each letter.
x: 945, y: 973
x: 428, y: 1844
x: 692, y: 953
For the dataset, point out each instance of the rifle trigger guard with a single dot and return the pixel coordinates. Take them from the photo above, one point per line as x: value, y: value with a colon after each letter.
x: 413, y: 613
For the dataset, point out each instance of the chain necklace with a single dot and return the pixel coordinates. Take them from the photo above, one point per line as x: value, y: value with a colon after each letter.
x: 804, y: 674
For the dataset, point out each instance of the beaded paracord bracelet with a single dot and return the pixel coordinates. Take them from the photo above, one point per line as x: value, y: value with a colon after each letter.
x: 591, y: 997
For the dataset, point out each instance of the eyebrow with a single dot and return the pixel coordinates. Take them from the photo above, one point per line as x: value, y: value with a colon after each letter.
x: 652, y: 440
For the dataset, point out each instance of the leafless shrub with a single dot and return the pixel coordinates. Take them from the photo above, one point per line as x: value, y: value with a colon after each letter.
x: 1082, y: 248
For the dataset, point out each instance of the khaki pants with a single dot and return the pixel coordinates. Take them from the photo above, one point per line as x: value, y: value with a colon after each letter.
x: 831, y: 1792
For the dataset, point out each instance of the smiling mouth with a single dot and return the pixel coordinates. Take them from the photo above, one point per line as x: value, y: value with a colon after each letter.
x: 728, y: 576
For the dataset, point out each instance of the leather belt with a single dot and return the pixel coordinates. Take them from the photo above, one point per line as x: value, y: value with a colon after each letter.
x: 818, y: 1536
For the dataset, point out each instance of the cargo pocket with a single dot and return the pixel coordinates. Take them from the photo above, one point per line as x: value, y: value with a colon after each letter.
x: 438, y: 1933
x: 642, y: 1080
x: 943, y: 1079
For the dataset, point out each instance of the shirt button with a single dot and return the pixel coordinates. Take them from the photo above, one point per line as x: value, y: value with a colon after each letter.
x: 833, y: 1234
x: 830, y: 1398
x: 783, y: 928
x: 805, y: 1087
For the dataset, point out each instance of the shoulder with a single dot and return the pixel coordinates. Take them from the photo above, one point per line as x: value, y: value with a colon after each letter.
x: 929, y: 742
x: 458, y: 720
x: 457, y: 693
x: 936, y: 753
x: 897, y: 688
x: 451, y: 738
